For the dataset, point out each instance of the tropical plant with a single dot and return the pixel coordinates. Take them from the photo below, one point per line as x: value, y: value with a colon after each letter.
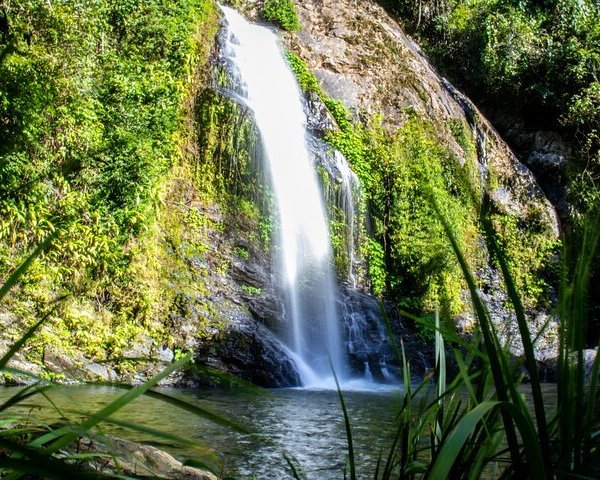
x: 283, y: 13
x: 47, y: 451
x: 92, y: 100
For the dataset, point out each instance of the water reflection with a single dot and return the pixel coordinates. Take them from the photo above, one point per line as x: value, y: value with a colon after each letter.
x: 307, y: 424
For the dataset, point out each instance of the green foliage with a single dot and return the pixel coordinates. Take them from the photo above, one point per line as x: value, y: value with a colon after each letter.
x: 377, y: 270
x: 537, y: 59
x: 281, y: 12
x: 227, y: 141
x: 408, y: 256
x: 242, y: 252
x: 104, y: 120
x: 529, y: 253
x: 398, y: 173
x: 265, y: 231
x: 462, y: 136
x: 226, y: 171
x: 307, y: 80
x: 338, y: 238
x: 91, y: 102
x: 250, y: 290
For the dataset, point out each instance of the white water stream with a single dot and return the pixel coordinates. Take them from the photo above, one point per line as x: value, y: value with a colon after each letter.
x: 265, y: 83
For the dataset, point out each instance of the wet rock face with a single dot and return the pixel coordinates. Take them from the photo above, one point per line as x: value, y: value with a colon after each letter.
x: 319, y: 119
x: 502, y: 314
x: 368, y: 348
x: 362, y: 57
x: 263, y: 302
x: 241, y: 304
x: 549, y: 151
x: 250, y: 351
x: 549, y: 367
x: 546, y: 153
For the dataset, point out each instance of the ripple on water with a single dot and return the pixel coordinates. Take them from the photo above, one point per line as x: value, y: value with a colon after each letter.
x: 307, y: 424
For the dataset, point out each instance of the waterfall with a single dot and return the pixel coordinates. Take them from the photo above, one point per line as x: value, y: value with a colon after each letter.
x: 263, y: 82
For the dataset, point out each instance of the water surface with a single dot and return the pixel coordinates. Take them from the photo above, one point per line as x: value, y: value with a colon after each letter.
x: 307, y: 424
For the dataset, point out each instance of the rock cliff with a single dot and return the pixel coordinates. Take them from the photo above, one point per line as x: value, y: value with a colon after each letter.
x: 219, y: 294
x: 361, y: 56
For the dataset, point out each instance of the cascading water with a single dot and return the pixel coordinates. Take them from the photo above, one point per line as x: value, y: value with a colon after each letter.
x: 263, y: 81
x: 346, y: 197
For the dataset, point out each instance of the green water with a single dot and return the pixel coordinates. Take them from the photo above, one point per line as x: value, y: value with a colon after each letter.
x: 307, y: 424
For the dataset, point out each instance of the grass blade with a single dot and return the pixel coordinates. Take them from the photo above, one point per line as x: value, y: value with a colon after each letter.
x: 196, y: 410
x: 65, y: 435
x: 116, y: 405
x: 351, y: 462
x: 297, y: 472
x: 440, y: 367
x: 22, y: 395
x: 465, y: 376
x: 33, y: 461
x: 455, y: 442
x: 155, y: 433
x: 530, y: 362
x: 447, y: 334
x: 495, y: 356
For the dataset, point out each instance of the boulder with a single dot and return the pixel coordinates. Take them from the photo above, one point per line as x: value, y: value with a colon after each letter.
x: 129, y: 458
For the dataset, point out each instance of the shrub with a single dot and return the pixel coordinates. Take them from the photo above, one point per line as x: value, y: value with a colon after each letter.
x: 282, y: 13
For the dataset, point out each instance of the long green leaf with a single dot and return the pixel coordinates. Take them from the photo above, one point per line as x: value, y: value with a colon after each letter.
x: 465, y: 375
x: 117, y: 404
x: 531, y: 440
x: 351, y: 462
x: 530, y: 362
x: 448, y: 334
x: 157, y: 434
x: 34, y: 461
x: 22, y: 395
x: 199, y: 411
x: 455, y: 442
x: 297, y: 472
x: 440, y: 366
x: 495, y: 355
x: 65, y: 435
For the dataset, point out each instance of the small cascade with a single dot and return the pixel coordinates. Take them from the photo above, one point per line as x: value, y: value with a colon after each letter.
x: 263, y: 82
x: 348, y: 197
x: 367, y: 343
x: 368, y: 374
x: 386, y: 373
x: 343, y: 194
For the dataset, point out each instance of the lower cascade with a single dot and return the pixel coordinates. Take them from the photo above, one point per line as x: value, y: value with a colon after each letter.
x: 262, y: 80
